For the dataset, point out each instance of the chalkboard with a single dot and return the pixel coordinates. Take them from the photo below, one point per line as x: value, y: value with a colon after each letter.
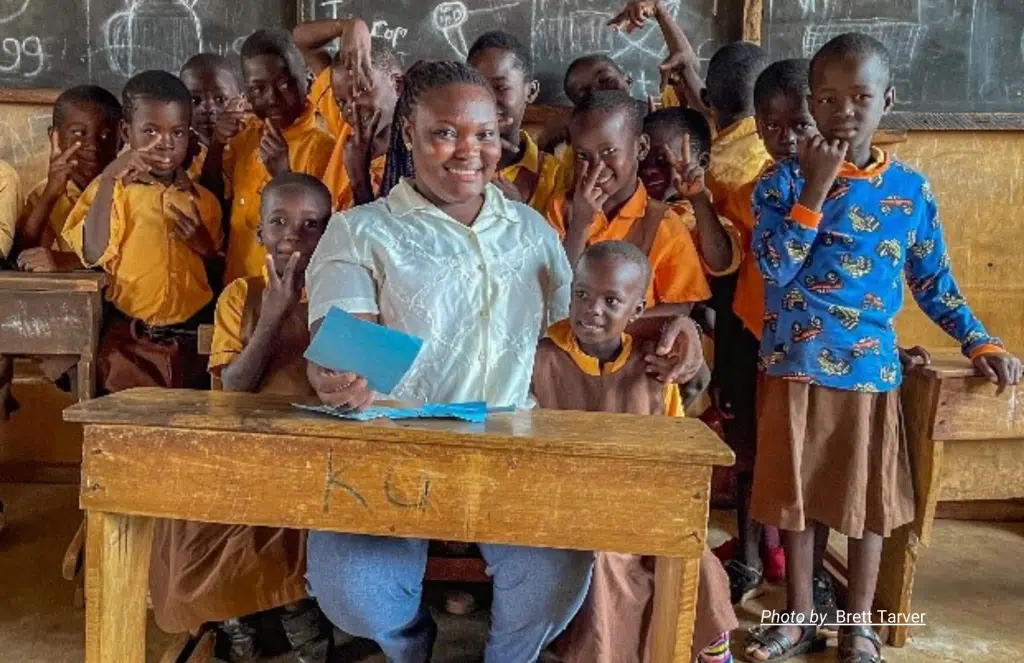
x: 949, y: 56
x: 557, y: 31
x: 59, y: 43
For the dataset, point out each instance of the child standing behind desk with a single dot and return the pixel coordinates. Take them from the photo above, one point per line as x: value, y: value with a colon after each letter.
x: 203, y: 572
x: 211, y: 82
x: 283, y: 138
x: 588, y: 362
x: 149, y: 226
x: 837, y: 230
x: 84, y: 139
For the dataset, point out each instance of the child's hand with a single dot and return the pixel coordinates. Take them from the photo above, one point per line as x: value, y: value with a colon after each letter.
x: 189, y: 228
x: 360, y: 144
x: 231, y: 120
x: 673, y: 67
x: 679, y: 355
x: 345, y: 391
x: 61, y: 165
x: 1001, y: 368
x: 687, y: 175
x: 282, y: 292
x: 354, y: 54
x: 133, y: 165
x: 820, y: 160
x: 37, y: 259
x: 914, y: 357
x: 634, y: 16
x: 588, y: 198
x: 273, y: 151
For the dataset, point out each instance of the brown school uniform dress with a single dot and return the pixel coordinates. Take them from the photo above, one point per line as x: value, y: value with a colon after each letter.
x: 206, y: 572
x: 614, y: 622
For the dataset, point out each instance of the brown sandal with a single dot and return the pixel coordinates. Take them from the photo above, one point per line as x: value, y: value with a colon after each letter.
x: 779, y: 646
x: 848, y: 653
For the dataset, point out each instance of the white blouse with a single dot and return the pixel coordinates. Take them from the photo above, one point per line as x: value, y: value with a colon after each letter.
x: 480, y: 297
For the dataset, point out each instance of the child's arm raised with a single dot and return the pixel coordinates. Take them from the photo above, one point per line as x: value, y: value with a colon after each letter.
x: 132, y: 163
x: 354, y: 36
x: 931, y: 280
x: 359, y: 154
x: 716, y: 246
x: 587, y: 202
x: 31, y: 230
x: 785, y: 228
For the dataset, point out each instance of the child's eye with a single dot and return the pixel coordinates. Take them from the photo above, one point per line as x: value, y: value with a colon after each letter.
x: 178, y: 133
x: 579, y: 294
x: 611, y: 301
x: 804, y: 126
x: 863, y: 97
x: 276, y: 221
x: 218, y: 100
x: 771, y: 126
x: 445, y: 133
x: 608, y: 151
x: 78, y: 133
x: 149, y: 131
x: 486, y: 134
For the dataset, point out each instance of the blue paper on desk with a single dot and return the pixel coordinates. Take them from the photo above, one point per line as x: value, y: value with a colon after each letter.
x: 475, y: 412
x: 346, y: 344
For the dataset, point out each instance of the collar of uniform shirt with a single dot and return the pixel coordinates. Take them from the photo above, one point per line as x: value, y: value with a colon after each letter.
x: 405, y: 199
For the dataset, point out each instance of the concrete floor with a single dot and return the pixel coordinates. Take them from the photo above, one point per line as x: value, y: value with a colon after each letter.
x: 970, y: 584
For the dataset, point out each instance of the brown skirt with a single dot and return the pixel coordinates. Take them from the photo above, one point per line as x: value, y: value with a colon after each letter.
x: 614, y: 623
x: 203, y: 572
x: 128, y: 359
x: 830, y: 456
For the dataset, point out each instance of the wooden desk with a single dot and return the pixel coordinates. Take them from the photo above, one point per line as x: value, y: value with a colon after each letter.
x: 549, y: 479
x: 54, y: 315
x: 966, y: 444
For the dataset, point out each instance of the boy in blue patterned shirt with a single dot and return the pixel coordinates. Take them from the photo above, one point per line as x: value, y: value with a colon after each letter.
x: 837, y: 229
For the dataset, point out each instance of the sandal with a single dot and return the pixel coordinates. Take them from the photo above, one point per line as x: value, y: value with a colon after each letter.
x: 848, y: 653
x: 744, y: 581
x: 779, y: 646
x: 825, y: 600
x: 309, y: 633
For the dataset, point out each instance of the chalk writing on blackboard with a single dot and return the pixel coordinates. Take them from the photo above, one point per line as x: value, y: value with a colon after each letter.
x: 152, y: 34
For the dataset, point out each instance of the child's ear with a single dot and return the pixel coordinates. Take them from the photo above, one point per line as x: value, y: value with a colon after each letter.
x: 638, y: 310
x: 124, y: 134
x: 705, y: 98
x: 398, y: 80
x: 890, y: 100
x: 259, y: 234
x: 643, y: 146
x: 532, y: 90
x: 704, y: 160
x: 407, y: 134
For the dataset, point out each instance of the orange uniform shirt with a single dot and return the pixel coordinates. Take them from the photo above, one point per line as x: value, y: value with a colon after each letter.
x: 544, y: 166
x: 155, y: 276
x: 685, y: 210
x: 336, y: 176
x: 678, y: 277
x: 748, y: 302
x: 309, y: 151
x: 321, y: 96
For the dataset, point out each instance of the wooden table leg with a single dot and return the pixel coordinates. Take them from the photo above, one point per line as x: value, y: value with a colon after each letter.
x: 116, y: 579
x: 675, y: 607
x: 85, y: 380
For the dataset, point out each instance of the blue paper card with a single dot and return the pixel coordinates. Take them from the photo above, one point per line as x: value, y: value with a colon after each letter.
x: 475, y: 412
x: 346, y: 344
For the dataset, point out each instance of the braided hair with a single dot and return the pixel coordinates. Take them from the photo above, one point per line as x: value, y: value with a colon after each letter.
x: 418, y: 80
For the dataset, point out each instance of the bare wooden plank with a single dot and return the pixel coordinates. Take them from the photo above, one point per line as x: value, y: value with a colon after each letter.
x: 662, y: 439
x: 205, y: 342
x: 42, y: 96
x: 81, y: 281
x: 116, y: 578
x: 1011, y: 510
x: 896, y: 578
x: 43, y: 322
x: 675, y: 607
x: 910, y: 121
x: 919, y: 399
x: 406, y: 488
x: 982, y: 470
x: 969, y: 409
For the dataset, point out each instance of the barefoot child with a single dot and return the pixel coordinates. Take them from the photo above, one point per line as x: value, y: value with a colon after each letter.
x: 589, y: 362
x: 610, y: 202
x: 204, y: 572
x: 356, y: 168
x: 837, y: 229
x: 211, y: 82
x: 524, y: 172
x: 84, y: 139
x: 283, y: 137
x: 149, y: 226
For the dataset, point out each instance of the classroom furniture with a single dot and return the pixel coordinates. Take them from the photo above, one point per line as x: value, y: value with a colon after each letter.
x: 576, y: 480
x: 966, y: 445
x: 54, y: 315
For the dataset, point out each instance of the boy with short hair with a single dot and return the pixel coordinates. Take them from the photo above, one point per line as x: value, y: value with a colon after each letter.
x: 212, y: 83
x: 149, y: 226
x: 356, y: 168
x: 260, y: 334
x: 838, y: 230
x: 84, y: 139
x: 589, y: 362
x: 610, y: 202
x: 525, y: 173
x: 282, y: 137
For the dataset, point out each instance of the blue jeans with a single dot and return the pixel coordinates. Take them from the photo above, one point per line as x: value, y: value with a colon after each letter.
x: 371, y: 587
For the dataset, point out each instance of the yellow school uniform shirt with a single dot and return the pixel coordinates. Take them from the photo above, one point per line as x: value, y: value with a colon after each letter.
x: 10, y: 207
x: 544, y: 166
x: 321, y: 96
x: 195, y: 169
x: 748, y: 300
x: 561, y: 334
x: 309, y: 151
x: 737, y: 158
x: 675, y: 264
x: 155, y: 276
x: 52, y: 238
x: 336, y: 176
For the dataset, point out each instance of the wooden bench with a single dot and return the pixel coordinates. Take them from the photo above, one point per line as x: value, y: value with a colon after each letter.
x: 967, y: 447
x: 623, y: 483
